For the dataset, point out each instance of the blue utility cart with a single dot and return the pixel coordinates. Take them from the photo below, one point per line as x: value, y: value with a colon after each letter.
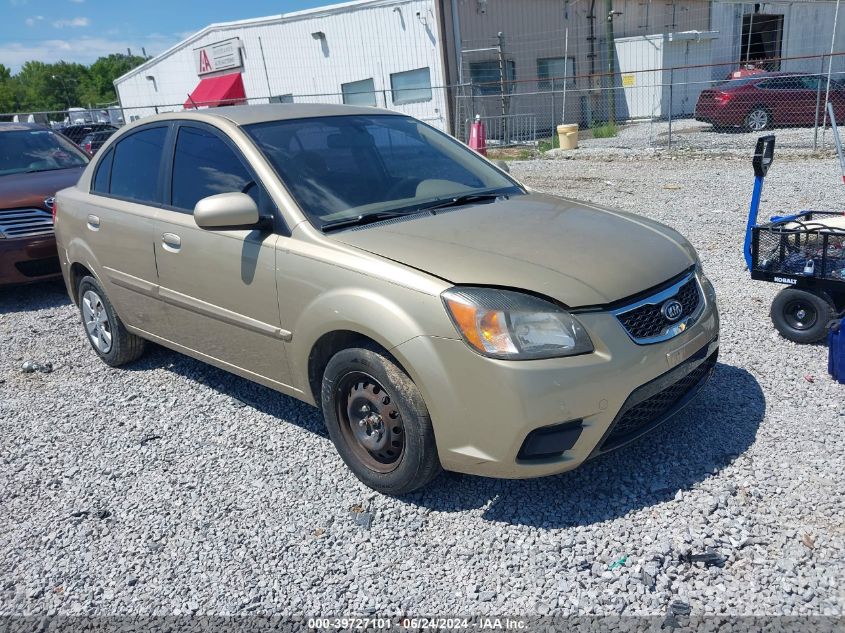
x: 806, y: 252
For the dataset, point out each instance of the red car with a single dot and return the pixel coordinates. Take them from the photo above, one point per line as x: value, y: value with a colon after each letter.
x: 766, y: 100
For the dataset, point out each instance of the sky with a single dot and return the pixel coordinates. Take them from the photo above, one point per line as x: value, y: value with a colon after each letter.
x: 83, y: 30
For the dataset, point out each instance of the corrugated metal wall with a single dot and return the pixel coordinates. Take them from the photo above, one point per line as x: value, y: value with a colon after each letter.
x: 371, y: 40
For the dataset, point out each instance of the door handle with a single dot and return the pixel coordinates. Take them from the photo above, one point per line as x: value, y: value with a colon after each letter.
x: 94, y: 222
x: 171, y: 242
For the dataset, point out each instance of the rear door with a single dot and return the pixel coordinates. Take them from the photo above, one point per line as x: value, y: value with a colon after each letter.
x: 219, y: 286
x: 126, y: 193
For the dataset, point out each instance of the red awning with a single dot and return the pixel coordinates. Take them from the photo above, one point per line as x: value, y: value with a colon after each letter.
x: 218, y: 91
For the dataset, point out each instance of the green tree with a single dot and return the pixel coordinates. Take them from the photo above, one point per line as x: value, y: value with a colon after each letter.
x: 103, y: 72
x: 42, y: 87
x: 7, y: 90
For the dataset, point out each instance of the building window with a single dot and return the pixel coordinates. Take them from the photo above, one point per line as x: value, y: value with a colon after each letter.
x: 282, y: 99
x: 762, y: 39
x: 360, y: 93
x: 413, y: 86
x: 486, y: 76
x: 552, y: 70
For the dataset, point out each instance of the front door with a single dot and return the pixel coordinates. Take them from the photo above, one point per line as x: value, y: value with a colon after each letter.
x: 219, y: 287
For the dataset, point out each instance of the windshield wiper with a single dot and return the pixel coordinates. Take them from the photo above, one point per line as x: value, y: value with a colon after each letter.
x: 458, y: 201
x: 361, y: 220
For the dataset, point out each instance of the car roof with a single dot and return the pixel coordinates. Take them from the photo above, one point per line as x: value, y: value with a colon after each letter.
x: 249, y: 114
x: 19, y: 127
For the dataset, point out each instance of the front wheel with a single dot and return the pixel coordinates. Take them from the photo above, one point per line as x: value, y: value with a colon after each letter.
x: 801, y: 316
x: 758, y: 119
x: 378, y: 421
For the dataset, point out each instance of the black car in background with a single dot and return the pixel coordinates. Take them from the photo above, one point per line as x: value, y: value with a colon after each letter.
x: 95, y: 140
x: 79, y: 131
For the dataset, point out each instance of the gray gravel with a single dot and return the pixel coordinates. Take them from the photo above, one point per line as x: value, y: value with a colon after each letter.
x: 171, y: 487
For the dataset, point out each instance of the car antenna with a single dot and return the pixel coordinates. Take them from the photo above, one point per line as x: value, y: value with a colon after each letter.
x: 193, y: 103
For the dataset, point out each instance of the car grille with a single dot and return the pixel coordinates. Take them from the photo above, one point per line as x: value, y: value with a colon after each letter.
x: 646, y: 323
x: 25, y: 222
x: 659, y: 406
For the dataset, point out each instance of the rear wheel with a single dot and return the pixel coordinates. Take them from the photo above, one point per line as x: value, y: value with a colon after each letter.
x: 758, y: 119
x: 802, y: 316
x: 104, y: 329
x: 378, y: 421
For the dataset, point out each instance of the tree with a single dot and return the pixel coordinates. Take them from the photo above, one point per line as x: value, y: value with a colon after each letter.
x: 41, y: 87
x: 105, y: 70
x: 7, y: 90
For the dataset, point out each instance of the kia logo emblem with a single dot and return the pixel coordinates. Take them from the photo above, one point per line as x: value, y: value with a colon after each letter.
x: 672, y: 310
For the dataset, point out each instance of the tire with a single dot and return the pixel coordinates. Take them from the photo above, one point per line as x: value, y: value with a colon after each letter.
x: 378, y: 421
x: 105, y: 331
x: 801, y: 316
x: 758, y: 119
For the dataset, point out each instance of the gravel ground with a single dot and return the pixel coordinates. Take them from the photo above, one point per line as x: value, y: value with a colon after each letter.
x: 689, y: 135
x: 171, y: 487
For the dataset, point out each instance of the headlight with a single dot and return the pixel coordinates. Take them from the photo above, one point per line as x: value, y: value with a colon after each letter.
x: 512, y: 325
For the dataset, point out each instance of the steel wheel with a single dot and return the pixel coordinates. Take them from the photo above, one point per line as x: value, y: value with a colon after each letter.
x: 757, y: 120
x: 370, y: 422
x: 97, y: 323
x: 800, y: 315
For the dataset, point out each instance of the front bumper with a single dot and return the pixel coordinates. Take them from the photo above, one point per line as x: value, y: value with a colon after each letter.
x: 483, y: 410
x: 28, y: 259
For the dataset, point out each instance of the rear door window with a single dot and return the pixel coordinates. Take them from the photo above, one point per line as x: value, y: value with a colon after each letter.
x: 136, y: 166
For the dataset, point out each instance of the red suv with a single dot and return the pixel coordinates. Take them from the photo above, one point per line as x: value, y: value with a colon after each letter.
x: 769, y: 100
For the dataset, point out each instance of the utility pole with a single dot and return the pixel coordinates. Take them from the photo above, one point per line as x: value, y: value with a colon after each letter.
x: 611, y: 70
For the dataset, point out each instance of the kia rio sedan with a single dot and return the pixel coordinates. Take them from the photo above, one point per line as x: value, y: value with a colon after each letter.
x: 440, y: 314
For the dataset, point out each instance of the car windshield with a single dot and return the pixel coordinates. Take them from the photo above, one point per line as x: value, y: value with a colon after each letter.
x: 27, y: 151
x: 343, y: 167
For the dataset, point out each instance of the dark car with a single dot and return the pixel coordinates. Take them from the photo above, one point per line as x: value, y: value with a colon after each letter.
x: 94, y: 141
x: 35, y: 163
x: 767, y: 100
x: 78, y: 132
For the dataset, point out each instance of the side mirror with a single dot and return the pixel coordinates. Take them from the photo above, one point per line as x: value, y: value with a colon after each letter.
x: 226, y: 210
x: 503, y: 166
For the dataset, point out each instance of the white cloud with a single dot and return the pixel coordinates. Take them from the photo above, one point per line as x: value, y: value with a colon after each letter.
x: 73, y: 23
x: 18, y: 3
x: 84, y: 50
x: 77, y: 1
x: 33, y: 20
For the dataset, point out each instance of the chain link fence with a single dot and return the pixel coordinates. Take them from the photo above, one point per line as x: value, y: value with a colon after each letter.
x: 674, y: 108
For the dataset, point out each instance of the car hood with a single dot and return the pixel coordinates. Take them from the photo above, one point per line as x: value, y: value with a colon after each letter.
x: 574, y: 252
x: 19, y: 190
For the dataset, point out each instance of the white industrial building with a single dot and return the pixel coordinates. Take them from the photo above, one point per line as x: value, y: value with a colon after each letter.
x: 371, y: 52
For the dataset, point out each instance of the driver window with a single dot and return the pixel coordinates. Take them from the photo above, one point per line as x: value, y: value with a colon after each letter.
x: 204, y: 165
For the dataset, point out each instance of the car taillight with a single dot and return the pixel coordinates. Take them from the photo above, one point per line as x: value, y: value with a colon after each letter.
x: 88, y: 148
x: 723, y: 97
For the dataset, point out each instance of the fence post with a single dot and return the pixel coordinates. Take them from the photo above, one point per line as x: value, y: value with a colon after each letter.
x: 818, y: 102
x: 671, y: 102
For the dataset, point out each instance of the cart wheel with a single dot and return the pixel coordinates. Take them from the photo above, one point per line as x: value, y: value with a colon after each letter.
x: 802, y: 316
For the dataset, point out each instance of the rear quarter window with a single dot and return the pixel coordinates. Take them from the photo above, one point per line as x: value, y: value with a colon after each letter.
x: 103, y: 174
